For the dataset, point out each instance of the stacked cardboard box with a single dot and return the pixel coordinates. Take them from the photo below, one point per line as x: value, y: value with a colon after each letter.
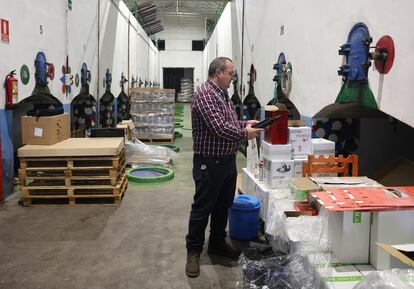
x: 277, y: 164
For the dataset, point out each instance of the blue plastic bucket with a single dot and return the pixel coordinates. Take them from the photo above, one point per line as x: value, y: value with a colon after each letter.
x: 244, y: 217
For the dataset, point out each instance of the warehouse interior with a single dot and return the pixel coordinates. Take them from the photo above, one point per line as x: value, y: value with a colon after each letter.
x: 97, y: 130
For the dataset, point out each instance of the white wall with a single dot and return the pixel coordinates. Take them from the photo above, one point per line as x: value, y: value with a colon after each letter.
x: 75, y: 33
x: 178, y: 47
x: 313, y: 32
x: 33, y: 29
x: 186, y: 59
x: 220, y: 42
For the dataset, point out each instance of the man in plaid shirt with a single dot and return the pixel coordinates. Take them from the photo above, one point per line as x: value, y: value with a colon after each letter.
x: 217, y: 134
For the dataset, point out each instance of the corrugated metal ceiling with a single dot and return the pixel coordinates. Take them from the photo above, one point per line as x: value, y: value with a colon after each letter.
x: 155, y: 15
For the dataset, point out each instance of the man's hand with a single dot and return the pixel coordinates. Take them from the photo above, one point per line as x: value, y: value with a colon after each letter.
x: 252, y: 121
x: 253, y: 132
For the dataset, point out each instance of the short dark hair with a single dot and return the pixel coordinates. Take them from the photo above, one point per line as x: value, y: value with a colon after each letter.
x: 218, y: 63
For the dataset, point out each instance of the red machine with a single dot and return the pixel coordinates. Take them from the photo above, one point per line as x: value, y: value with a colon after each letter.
x: 11, y: 88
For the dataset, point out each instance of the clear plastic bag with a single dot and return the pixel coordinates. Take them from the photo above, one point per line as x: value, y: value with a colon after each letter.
x: 264, y: 268
x: 139, y: 153
x: 388, y: 279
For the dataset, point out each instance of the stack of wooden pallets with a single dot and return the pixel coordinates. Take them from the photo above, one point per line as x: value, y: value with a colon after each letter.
x: 73, y: 180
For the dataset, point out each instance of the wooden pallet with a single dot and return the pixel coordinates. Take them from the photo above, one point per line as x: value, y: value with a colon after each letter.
x: 72, y: 170
x: 70, y: 178
x: 74, y: 195
x: 73, y: 163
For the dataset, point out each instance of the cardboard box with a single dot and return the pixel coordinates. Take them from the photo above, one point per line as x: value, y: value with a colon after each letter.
x: 298, y: 164
x: 248, y: 182
x: 275, y: 152
x: 263, y: 192
x: 45, y: 130
x: 321, y: 146
x: 401, y: 256
x: 276, y: 174
x: 365, y: 269
x: 128, y: 125
x: 343, y: 277
x: 300, y: 187
x: 300, y: 138
x: 252, y: 155
x: 348, y: 234
x: 390, y: 227
x: 277, y: 133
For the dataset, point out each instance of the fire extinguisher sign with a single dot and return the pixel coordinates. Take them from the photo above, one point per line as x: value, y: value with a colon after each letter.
x: 5, y: 31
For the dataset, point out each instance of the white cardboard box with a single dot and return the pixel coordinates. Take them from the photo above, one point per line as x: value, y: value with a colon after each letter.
x: 276, y: 152
x: 391, y: 227
x: 248, y: 184
x: 252, y: 156
x: 348, y: 234
x: 298, y: 167
x: 276, y: 174
x: 300, y: 139
x: 321, y: 146
x: 262, y: 192
x: 342, y: 277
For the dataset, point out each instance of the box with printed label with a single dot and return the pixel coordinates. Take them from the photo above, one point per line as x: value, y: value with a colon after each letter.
x: 341, y: 277
x: 277, y: 173
x: 348, y: 234
x: 391, y: 227
x: 300, y: 139
x: 276, y: 152
x: 45, y: 130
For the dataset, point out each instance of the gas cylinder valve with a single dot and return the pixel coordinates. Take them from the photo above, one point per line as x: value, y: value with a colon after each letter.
x: 358, y: 55
x: 283, y: 75
x: 123, y: 80
x: 85, y: 74
x: 133, y: 81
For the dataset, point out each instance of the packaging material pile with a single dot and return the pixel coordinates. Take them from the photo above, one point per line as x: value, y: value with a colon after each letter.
x: 388, y: 279
x: 187, y: 90
x: 265, y: 268
x: 152, y: 111
x: 138, y: 153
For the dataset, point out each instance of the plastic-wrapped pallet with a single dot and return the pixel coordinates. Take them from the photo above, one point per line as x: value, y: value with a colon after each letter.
x: 187, y: 90
x: 152, y: 111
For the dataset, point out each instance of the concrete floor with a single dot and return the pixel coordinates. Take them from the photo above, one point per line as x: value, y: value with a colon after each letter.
x: 138, y: 245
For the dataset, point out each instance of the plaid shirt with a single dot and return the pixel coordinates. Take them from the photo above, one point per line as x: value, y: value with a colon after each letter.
x: 216, y: 130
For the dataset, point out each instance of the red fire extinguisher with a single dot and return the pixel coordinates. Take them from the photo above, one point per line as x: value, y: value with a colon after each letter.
x: 11, y: 88
x: 1, y: 177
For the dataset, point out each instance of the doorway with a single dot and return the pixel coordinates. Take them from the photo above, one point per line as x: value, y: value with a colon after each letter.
x: 172, y: 77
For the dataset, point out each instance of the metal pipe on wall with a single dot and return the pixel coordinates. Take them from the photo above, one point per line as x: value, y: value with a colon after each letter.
x: 241, y: 69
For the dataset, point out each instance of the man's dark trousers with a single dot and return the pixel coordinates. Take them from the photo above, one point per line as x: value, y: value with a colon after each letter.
x: 215, y: 185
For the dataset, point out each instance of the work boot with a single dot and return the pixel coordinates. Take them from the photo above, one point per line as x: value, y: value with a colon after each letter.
x: 192, y: 268
x: 223, y: 249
